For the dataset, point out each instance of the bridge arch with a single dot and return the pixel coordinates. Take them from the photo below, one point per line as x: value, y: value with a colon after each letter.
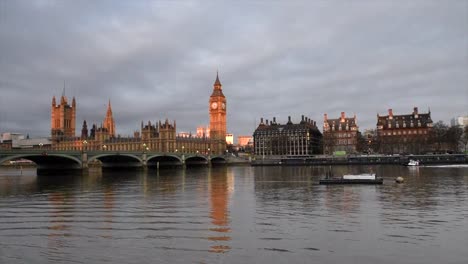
x: 48, y: 161
x: 218, y: 160
x: 163, y: 160
x: 117, y: 160
x: 196, y: 160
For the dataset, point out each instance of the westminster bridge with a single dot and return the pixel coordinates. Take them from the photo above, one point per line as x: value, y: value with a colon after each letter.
x: 65, y: 160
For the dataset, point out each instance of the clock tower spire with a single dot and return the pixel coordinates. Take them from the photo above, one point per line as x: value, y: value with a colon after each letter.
x: 217, y: 111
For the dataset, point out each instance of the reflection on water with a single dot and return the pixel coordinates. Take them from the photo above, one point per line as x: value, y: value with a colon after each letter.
x: 219, y: 198
x: 61, y: 217
x: 234, y: 215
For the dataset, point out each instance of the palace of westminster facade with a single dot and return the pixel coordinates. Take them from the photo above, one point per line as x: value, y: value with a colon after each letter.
x: 158, y: 137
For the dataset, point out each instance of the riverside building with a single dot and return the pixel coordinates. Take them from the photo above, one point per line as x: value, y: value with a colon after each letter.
x: 404, y: 133
x: 288, y: 140
x: 160, y: 136
x: 340, y: 134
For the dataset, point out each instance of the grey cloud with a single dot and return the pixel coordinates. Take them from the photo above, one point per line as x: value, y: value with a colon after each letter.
x: 158, y: 59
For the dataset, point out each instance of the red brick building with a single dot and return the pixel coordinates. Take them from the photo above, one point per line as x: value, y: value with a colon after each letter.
x: 404, y: 133
x: 340, y: 134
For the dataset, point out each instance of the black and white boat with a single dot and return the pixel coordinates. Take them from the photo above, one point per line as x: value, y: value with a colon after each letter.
x: 365, y: 178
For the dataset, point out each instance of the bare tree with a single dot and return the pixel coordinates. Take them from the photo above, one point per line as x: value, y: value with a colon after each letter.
x: 464, y: 138
x: 438, y: 134
x: 454, y: 135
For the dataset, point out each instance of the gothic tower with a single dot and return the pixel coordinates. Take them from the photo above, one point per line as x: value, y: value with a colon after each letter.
x: 84, y: 131
x: 217, y: 109
x: 109, y: 123
x: 63, y: 118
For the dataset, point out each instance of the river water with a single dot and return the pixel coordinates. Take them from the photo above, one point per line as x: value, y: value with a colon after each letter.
x: 234, y: 215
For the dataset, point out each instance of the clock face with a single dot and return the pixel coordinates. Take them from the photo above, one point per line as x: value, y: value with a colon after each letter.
x: 214, y: 105
x: 223, y: 106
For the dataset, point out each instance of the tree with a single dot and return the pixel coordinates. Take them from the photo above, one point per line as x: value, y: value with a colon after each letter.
x: 454, y: 135
x: 362, y: 144
x: 438, y: 134
x: 464, y: 138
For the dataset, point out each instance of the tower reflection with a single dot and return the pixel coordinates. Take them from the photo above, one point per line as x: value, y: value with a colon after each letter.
x: 220, y: 184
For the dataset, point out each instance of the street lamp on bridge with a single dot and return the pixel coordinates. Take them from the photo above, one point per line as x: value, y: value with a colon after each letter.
x: 84, y: 145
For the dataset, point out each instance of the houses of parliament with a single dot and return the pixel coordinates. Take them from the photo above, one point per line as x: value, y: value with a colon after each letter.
x: 155, y: 137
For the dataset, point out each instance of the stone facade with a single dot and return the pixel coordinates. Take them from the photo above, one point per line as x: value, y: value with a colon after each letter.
x: 109, y: 123
x: 288, y: 140
x: 218, y: 110
x: 63, y: 118
x: 158, y: 137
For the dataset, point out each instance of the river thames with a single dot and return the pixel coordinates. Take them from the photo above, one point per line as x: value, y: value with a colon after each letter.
x: 234, y: 215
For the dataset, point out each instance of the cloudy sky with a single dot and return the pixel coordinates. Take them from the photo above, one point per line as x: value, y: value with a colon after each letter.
x: 158, y: 59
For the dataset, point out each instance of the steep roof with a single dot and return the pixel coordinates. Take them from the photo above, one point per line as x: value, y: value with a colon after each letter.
x: 413, y: 120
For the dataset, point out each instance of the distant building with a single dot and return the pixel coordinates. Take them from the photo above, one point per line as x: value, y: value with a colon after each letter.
x: 243, y: 141
x: 63, y: 118
x: 404, y: 133
x: 217, y: 112
x: 109, y: 123
x: 203, y: 131
x: 34, y: 143
x: 19, y: 141
x: 229, y: 139
x: 340, y: 134
x: 460, y: 121
x: 5, y: 145
x: 291, y: 140
x: 8, y: 136
x: 157, y: 137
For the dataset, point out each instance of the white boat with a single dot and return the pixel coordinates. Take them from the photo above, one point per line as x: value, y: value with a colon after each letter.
x: 364, y: 176
x: 413, y: 163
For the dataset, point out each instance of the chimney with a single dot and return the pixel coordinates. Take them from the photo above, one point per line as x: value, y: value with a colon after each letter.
x: 325, y: 117
x: 342, y: 116
x: 274, y: 120
x: 267, y: 122
x: 289, y: 119
x: 302, y: 118
x: 390, y: 113
x: 415, y: 111
x: 261, y: 120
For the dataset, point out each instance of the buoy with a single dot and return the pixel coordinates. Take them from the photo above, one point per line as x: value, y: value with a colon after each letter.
x: 399, y: 180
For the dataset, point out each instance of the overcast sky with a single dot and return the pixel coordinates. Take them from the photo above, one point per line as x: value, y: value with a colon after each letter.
x: 158, y: 59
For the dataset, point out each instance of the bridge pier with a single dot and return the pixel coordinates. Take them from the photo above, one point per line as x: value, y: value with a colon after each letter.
x: 84, y: 160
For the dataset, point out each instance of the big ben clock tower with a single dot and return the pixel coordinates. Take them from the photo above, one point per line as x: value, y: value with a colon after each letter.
x: 217, y: 108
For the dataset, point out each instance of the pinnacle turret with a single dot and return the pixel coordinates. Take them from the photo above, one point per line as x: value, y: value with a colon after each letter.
x: 217, y: 82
